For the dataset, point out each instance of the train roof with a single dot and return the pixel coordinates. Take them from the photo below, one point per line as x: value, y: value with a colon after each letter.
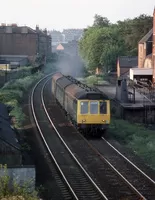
x: 78, y: 89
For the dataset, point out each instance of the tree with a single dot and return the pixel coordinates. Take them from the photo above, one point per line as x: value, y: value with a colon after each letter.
x: 102, y: 43
x: 95, y: 44
x: 109, y: 56
x: 132, y: 30
x: 100, y: 21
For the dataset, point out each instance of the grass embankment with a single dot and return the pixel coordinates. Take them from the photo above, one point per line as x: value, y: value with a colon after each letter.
x: 135, y: 136
x: 12, y: 92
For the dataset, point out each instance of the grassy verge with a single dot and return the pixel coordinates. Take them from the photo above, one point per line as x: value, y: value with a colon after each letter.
x: 92, y: 80
x: 135, y: 136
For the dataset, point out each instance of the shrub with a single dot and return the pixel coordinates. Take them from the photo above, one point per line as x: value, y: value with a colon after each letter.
x: 6, y: 95
x: 13, y: 191
x: 12, y: 93
x: 91, y: 80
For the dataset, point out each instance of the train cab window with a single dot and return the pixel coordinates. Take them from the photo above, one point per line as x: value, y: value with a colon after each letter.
x: 84, y: 107
x: 103, y: 107
x: 94, y: 107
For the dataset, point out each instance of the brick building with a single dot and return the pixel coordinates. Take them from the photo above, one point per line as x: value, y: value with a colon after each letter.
x: 44, y: 42
x: 146, y: 50
x: 23, y: 40
x: 146, y: 57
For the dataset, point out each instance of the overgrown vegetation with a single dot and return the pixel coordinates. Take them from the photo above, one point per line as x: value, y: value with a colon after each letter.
x: 12, y: 92
x: 11, y: 190
x: 92, y: 80
x: 135, y: 136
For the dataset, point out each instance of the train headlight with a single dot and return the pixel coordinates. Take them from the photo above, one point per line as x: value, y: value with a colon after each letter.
x: 105, y: 121
x: 83, y: 120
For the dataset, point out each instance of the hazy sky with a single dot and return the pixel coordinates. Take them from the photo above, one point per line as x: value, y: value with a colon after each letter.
x: 59, y: 14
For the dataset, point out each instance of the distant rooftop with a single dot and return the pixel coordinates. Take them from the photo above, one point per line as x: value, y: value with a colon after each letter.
x: 128, y: 61
x: 147, y: 36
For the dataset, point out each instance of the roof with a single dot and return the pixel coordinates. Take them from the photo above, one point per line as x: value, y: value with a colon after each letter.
x: 142, y: 71
x: 128, y: 61
x: 7, y: 59
x: 7, y: 134
x: 147, y: 36
x: 17, y: 29
x: 77, y: 89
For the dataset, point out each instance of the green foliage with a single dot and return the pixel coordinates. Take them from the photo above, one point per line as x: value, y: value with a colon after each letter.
x: 110, y: 55
x: 100, y: 21
x: 12, y: 93
x: 133, y: 30
x: 96, y: 42
x: 91, y: 80
x: 22, y: 83
x: 102, y: 43
x: 13, y: 191
x: 6, y: 95
x: 135, y: 136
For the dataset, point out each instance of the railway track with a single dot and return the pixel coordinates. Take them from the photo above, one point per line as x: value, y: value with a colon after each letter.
x: 111, y: 183
x: 138, y: 178
x: 73, y: 180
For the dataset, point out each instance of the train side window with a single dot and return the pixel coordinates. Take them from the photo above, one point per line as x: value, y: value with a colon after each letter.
x: 84, y: 107
x: 94, y: 107
x: 103, y: 107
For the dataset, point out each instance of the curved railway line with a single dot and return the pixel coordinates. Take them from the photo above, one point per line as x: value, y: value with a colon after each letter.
x: 73, y: 157
x: 71, y: 173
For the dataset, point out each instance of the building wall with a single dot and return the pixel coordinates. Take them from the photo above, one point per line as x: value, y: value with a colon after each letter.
x: 141, y: 54
x: 21, y: 175
x: 118, y: 69
x: 148, y: 63
x: 124, y: 71
x: 9, y: 155
x: 18, y: 44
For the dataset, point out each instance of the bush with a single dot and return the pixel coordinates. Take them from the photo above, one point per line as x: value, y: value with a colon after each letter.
x: 135, y: 136
x: 91, y: 80
x: 6, y: 95
x: 12, y: 191
x: 12, y: 93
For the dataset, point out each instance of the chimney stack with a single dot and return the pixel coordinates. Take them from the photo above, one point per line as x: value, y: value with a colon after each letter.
x: 153, y: 47
x: 45, y: 31
x: 37, y: 28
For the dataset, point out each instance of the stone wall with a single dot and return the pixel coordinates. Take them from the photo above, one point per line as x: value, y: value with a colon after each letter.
x: 21, y: 175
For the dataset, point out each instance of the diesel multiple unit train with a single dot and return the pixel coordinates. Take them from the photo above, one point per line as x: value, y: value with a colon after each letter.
x: 87, y: 107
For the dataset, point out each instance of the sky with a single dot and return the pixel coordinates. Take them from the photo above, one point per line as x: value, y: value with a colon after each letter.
x: 60, y: 14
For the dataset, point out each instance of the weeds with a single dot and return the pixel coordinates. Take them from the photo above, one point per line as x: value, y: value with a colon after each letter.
x: 11, y: 190
x: 135, y: 136
x: 12, y: 94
